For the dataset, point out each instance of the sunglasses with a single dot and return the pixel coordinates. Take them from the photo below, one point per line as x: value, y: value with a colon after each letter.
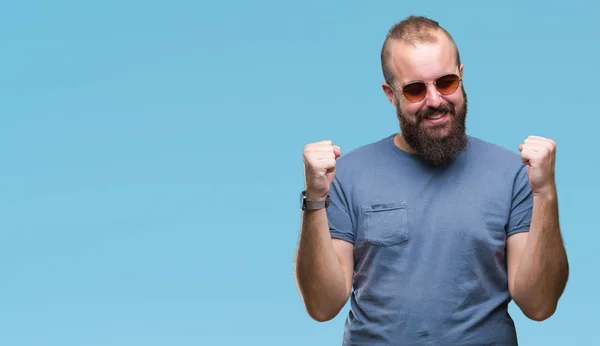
x: 416, y: 91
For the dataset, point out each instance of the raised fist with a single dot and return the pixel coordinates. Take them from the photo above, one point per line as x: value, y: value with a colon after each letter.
x: 319, y: 168
x: 539, y: 154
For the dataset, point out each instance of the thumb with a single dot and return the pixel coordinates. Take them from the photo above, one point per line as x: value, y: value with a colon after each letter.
x: 525, y: 159
x: 337, y: 151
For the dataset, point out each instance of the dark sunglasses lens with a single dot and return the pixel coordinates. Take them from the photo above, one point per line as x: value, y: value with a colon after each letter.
x: 414, y: 91
x: 447, y: 84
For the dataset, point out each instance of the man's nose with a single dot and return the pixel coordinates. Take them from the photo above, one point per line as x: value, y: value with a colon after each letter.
x: 433, y: 98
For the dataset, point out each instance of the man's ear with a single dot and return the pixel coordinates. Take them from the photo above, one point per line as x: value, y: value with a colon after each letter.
x: 389, y: 93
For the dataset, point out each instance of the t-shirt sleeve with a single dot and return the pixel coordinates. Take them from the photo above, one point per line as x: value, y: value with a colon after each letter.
x: 338, y: 213
x: 522, y: 204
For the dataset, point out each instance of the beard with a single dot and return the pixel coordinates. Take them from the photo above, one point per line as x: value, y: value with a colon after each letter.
x: 427, y: 141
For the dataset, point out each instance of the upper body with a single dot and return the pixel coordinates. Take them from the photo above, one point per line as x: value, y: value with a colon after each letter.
x: 429, y: 243
x: 430, y: 232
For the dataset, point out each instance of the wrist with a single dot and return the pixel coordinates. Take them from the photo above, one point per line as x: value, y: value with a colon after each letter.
x: 548, y: 194
x: 315, y: 196
x: 313, y: 202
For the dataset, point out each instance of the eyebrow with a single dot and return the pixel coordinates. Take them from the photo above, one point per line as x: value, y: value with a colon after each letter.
x: 420, y: 80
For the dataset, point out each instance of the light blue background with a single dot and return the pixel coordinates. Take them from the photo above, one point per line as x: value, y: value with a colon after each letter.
x: 151, y: 155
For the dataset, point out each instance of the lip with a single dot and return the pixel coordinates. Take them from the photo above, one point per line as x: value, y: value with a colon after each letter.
x: 436, y: 121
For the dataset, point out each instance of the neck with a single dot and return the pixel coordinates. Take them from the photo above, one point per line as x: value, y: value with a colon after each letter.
x: 400, y: 142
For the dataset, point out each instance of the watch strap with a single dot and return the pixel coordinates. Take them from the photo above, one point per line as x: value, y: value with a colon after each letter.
x: 314, y: 205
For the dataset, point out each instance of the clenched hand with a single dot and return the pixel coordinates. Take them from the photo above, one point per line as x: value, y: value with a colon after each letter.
x: 319, y: 168
x: 539, y: 154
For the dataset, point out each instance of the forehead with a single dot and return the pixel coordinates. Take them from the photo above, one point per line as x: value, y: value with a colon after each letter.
x: 423, y: 60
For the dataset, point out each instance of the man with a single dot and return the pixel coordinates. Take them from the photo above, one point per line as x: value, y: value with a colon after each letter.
x: 429, y: 232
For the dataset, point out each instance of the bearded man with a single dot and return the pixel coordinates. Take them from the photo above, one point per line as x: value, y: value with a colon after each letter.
x: 429, y: 232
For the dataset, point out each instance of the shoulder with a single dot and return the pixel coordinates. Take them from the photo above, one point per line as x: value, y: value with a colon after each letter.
x: 363, y: 162
x: 494, y: 155
x: 482, y: 146
x: 364, y: 154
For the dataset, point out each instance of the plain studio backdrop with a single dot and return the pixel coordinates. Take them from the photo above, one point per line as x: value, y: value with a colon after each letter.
x: 151, y: 155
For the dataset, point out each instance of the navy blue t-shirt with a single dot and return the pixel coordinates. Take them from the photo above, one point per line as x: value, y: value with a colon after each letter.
x: 429, y: 243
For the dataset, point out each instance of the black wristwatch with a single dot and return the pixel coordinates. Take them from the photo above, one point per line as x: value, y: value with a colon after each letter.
x: 306, y: 204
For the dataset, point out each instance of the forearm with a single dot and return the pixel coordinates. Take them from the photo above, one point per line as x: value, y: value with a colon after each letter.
x: 543, y: 270
x: 319, y: 273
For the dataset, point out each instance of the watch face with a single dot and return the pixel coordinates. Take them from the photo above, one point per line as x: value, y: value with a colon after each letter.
x: 302, y: 199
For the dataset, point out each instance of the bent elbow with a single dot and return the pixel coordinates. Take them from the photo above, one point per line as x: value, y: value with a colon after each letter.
x: 322, y: 312
x: 540, y: 314
x: 320, y: 315
x: 537, y: 310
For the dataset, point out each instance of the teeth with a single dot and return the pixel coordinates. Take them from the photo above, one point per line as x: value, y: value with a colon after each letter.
x: 436, y: 116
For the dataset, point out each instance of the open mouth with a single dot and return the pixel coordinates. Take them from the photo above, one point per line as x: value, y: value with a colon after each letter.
x: 436, y: 118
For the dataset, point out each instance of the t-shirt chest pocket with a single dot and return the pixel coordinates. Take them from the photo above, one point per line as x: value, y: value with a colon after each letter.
x: 385, y: 224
